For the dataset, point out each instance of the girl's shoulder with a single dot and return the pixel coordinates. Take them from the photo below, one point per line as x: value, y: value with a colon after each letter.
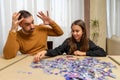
x: 68, y: 39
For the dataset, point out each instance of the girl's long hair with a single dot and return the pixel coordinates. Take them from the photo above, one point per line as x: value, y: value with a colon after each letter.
x: 84, y: 40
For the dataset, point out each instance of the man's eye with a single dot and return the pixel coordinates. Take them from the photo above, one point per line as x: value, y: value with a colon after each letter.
x: 33, y: 22
x: 27, y: 24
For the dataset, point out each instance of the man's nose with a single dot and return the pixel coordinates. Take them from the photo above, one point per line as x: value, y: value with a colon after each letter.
x: 32, y: 26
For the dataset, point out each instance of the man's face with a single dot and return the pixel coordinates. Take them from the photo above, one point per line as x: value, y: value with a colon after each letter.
x: 27, y: 25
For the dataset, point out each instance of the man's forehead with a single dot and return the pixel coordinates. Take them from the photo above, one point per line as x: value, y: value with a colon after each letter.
x: 28, y: 19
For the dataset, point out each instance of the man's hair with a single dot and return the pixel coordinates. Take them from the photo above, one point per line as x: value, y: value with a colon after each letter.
x: 24, y: 14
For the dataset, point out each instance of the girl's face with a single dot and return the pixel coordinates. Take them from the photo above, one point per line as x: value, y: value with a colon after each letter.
x: 77, y: 32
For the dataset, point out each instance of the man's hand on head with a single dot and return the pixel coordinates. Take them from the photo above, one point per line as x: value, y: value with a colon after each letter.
x: 15, y: 21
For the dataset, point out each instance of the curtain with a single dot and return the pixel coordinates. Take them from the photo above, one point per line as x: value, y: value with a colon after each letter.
x: 64, y: 12
x: 113, y: 18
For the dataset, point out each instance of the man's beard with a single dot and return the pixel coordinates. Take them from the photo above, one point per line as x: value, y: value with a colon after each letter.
x: 28, y: 32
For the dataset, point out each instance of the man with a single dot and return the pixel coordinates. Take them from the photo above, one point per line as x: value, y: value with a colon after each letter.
x: 30, y: 39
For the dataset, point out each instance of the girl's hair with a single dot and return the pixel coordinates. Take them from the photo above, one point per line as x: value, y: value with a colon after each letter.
x: 84, y: 40
x: 24, y: 14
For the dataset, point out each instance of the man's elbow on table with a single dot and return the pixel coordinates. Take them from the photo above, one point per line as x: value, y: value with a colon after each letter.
x: 8, y: 55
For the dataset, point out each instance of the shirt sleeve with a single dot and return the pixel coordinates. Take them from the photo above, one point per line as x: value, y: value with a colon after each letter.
x: 58, y: 50
x: 11, y: 47
x: 95, y: 50
x: 55, y: 30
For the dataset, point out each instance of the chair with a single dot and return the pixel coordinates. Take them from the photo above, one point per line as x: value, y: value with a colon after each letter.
x: 113, y: 45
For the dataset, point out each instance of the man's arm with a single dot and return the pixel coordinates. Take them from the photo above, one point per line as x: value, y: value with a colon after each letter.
x: 55, y: 29
x: 11, y: 47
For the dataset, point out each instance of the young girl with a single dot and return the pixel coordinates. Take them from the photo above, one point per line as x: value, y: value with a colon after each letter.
x: 78, y: 44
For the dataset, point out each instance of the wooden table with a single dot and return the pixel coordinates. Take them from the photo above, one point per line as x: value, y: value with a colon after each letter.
x: 115, y: 58
x: 7, y: 62
x: 23, y: 71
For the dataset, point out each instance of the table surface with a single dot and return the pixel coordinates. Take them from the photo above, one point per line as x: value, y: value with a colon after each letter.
x: 7, y: 62
x: 23, y: 71
x: 115, y: 58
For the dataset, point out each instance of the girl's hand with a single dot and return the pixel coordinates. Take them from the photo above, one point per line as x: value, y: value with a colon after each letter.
x: 39, y: 56
x: 79, y: 53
